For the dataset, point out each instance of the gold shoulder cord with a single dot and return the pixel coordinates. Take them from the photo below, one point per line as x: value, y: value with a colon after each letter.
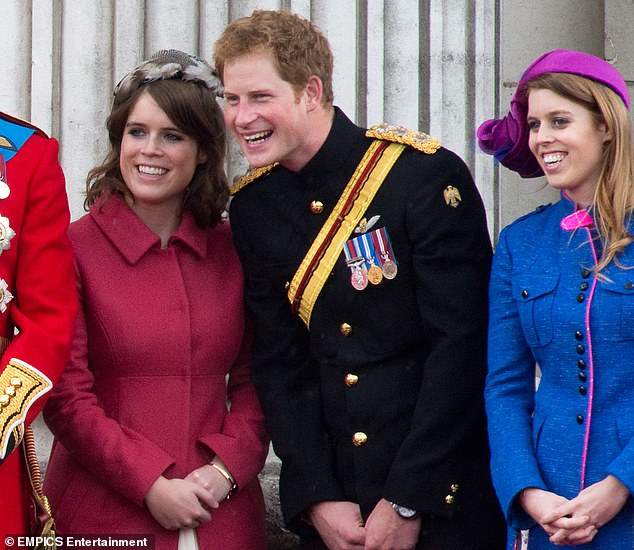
x: 399, y: 134
x: 251, y: 176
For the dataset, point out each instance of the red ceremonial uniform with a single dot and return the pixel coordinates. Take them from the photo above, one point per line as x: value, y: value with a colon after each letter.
x: 38, y: 296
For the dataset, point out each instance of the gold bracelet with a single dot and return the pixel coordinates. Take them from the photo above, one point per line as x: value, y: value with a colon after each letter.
x: 232, y: 484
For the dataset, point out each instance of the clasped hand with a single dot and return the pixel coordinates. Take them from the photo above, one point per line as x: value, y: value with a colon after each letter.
x: 181, y: 503
x: 341, y: 527
x: 578, y: 520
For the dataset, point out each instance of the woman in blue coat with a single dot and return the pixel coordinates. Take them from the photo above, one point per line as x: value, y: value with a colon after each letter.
x: 562, y: 297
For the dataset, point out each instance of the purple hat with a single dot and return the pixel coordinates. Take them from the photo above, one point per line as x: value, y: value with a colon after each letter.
x: 507, y: 138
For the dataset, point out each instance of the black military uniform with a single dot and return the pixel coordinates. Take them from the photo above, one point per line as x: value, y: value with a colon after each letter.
x: 382, y: 397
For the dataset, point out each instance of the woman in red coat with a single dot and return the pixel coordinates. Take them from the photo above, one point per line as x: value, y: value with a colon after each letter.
x: 37, y: 297
x: 158, y: 428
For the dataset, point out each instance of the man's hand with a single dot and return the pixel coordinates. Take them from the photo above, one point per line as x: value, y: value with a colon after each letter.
x: 339, y: 524
x: 386, y: 530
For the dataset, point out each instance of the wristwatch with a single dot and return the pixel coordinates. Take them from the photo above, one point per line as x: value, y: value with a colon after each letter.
x: 403, y: 511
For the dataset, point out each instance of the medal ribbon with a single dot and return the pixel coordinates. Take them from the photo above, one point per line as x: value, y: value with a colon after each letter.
x: 357, y: 251
x: 351, y: 254
x: 368, y: 250
x: 316, y: 266
x: 382, y: 242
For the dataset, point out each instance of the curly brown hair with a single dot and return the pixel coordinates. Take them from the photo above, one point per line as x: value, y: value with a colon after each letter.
x: 194, y: 110
x: 298, y: 48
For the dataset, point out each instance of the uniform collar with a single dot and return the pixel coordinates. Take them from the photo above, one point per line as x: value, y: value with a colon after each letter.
x: 341, y: 140
x: 133, y: 239
x: 576, y: 218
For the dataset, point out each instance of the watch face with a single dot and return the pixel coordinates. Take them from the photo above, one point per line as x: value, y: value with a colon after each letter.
x: 404, y: 512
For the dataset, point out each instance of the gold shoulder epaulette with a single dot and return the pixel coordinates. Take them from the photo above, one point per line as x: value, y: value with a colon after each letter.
x: 250, y: 176
x: 400, y: 134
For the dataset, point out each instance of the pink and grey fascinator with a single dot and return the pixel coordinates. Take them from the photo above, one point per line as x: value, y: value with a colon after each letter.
x: 507, y: 138
x: 168, y: 65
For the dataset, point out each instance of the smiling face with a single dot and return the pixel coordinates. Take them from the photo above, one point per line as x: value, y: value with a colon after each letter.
x: 270, y: 120
x: 157, y: 159
x: 567, y: 142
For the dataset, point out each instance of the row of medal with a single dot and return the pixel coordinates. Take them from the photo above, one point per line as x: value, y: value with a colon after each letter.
x: 6, y: 234
x: 370, y: 258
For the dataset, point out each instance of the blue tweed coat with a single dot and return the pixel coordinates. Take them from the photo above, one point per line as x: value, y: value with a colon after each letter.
x: 546, y: 306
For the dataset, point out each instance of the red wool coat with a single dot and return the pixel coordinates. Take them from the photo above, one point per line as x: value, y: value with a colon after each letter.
x: 145, y: 391
x: 36, y: 270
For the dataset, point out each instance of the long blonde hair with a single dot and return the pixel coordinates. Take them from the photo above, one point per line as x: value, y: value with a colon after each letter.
x: 613, y: 202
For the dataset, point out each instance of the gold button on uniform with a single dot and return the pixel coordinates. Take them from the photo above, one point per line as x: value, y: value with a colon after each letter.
x: 351, y: 379
x: 449, y: 499
x: 359, y: 438
x: 316, y: 207
x: 345, y: 329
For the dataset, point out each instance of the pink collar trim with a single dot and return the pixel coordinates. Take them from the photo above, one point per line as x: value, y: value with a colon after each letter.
x: 579, y: 218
